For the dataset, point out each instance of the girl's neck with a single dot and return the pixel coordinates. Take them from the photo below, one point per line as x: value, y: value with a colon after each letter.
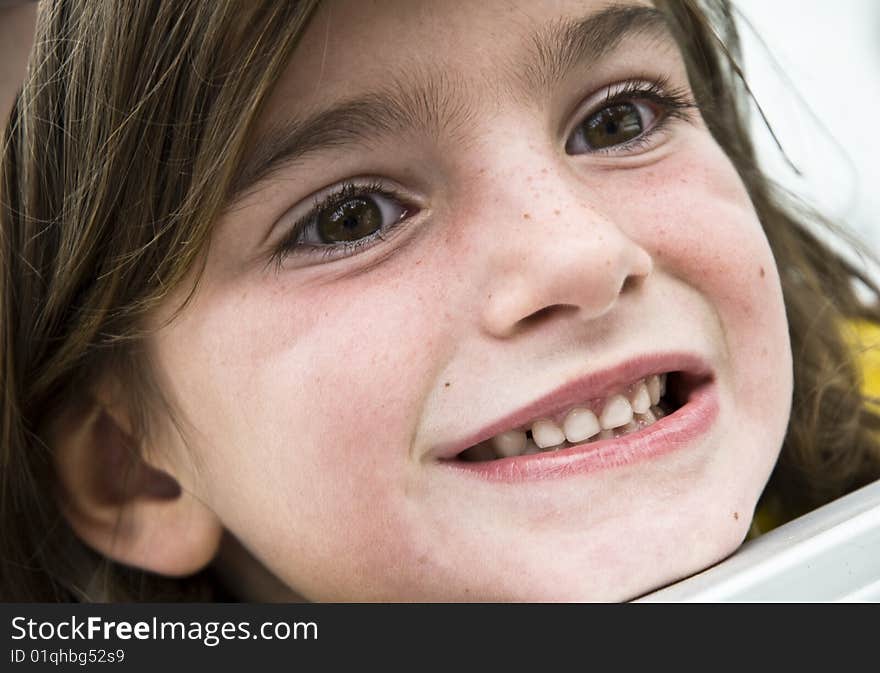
x: 246, y: 578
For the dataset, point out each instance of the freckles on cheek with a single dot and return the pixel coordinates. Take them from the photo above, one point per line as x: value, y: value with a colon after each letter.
x: 704, y: 230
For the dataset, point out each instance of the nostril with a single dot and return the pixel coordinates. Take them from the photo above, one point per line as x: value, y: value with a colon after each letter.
x: 631, y: 283
x: 546, y: 313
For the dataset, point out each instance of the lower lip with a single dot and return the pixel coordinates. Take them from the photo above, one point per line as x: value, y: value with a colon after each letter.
x: 675, y: 432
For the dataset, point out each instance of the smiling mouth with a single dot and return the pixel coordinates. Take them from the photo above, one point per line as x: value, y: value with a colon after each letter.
x: 631, y: 410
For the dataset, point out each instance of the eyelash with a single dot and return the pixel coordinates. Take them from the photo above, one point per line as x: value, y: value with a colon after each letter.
x: 673, y: 104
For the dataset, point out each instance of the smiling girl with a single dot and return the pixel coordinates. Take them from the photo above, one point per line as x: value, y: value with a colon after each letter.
x: 404, y: 300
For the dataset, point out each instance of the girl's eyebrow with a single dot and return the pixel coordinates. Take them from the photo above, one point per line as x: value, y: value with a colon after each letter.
x: 428, y: 100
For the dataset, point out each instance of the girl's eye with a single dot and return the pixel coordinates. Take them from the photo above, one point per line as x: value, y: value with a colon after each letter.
x: 628, y: 118
x: 614, y: 125
x: 344, y: 222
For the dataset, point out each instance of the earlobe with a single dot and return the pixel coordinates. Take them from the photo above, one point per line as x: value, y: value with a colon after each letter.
x: 122, y: 506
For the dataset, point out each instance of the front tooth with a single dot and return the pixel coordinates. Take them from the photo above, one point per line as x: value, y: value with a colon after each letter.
x: 617, y: 412
x: 509, y: 444
x: 653, y: 385
x: 547, y: 433
x: 580, y: 424
x: 641, y: 398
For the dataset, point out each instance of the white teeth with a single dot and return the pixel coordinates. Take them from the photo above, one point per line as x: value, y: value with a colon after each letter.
x: 580, y: 424
x: 617, y: 412
x: 640, y: 399
x: 510, y: 443
x: 621, y: 415
x: 653, y: 385
x: 546, y: 433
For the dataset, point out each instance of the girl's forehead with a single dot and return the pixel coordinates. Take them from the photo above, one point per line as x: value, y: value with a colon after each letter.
x: 348, y: 40
x: 401, y: 66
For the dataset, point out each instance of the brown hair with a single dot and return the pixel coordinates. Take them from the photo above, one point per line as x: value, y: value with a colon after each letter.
x: 120, y: 154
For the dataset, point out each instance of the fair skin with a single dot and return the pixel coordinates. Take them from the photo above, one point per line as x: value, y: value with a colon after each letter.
x: 319, y: 394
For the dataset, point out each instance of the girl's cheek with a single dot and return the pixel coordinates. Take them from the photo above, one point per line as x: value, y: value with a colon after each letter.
x: 343, y: 386
x: 307, y: 408
x: 299, y: 386
x: 698, y: 222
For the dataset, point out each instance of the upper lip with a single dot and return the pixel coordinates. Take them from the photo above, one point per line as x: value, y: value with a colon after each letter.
x: 590, y: 386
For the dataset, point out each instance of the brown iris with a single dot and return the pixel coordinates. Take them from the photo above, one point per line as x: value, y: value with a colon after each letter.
x: 613, y: 125
x: 351, y: 220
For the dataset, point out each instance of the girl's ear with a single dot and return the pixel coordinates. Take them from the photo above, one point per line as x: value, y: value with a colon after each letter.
x: 130, y: 510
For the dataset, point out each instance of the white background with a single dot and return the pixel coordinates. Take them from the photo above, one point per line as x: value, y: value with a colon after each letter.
x: 825, y: 55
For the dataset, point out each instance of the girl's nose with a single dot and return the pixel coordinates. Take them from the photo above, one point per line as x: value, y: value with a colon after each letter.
x: 564, y: 255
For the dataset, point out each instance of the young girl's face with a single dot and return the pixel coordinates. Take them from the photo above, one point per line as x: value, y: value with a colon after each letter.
x: 532, y: 221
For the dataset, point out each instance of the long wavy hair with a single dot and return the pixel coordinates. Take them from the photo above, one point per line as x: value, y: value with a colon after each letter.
x: 121, y: 152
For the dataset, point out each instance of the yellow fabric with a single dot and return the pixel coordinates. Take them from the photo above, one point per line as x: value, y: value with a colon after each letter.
x: 864, y: 338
